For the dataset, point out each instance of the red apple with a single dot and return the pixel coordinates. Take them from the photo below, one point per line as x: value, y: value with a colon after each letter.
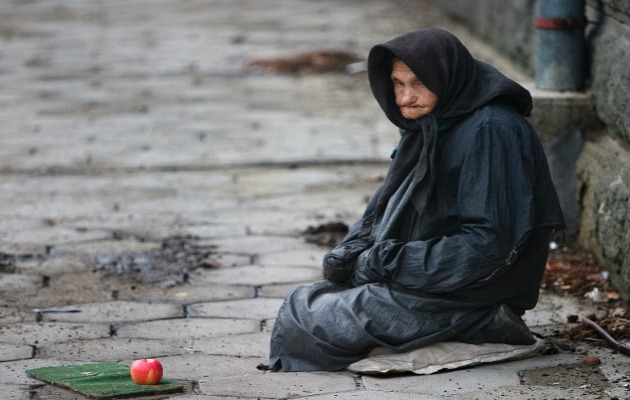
x: 147, y: 371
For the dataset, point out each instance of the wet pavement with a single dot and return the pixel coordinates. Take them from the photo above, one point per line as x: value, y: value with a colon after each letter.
x: 156, y: 193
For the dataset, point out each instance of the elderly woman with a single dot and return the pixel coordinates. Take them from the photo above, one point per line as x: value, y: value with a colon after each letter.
x: 454, y: 243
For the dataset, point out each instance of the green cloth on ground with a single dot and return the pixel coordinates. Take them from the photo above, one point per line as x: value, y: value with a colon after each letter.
x: 101, y: 380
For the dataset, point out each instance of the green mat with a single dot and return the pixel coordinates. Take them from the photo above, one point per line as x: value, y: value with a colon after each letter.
x: 101, y: 380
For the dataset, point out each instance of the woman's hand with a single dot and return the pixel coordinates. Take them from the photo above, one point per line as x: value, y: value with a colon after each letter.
x: 340, y: 263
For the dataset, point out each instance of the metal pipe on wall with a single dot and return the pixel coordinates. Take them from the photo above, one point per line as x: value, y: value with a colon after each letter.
x: 560, y: 44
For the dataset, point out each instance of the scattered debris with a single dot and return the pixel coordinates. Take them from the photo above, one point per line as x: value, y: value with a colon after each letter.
x: 576, y: 272
x: 312, y: 62
x: 596, y: 296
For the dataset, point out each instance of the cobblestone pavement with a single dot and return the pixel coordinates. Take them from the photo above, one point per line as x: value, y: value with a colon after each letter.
x: 155, y: 192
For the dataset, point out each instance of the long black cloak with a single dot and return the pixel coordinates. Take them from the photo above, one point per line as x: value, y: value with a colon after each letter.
x: 459, y: 228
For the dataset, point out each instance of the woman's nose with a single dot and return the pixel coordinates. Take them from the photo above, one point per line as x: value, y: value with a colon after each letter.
x: 408, y: 95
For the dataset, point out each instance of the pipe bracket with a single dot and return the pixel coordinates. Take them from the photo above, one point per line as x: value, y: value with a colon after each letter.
x: 563, y: 24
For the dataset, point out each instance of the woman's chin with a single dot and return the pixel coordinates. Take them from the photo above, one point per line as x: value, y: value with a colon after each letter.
x: 413, y: 115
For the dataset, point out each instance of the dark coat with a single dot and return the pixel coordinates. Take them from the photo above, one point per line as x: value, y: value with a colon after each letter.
x: 405, y: 278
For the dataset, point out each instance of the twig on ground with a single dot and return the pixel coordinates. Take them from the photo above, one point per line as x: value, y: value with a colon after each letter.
x: 612, y: 342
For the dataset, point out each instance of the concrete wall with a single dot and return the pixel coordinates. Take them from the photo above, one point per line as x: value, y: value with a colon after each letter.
x: 505, y: 24
x: 594, y: 179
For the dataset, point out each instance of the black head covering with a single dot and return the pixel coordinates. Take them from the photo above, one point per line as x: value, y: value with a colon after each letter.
x: 462, y: 85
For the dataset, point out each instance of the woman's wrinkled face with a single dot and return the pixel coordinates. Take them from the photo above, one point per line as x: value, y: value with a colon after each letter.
x: 413, y: 98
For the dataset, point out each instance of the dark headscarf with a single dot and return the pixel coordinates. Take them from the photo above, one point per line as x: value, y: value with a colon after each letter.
x: 462, y: 85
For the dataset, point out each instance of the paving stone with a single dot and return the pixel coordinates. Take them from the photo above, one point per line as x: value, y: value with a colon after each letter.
x: 212, y: 231
x: 138, y: 225
x: 281, y: 290
x: 111, y: 349
x: 21, y: 248
x: 529, y: 392
x: 12, y: 314
x: 258, y: 308
x: 11, y: 352
x: 207, y: 367
x: 17, y: 229
x: 53, y: 235
x: 317, y: 199
x: 188, y: 328
x: 545, y: 361
x: 614, y: 366
x: 187, y: 293
x: 192, y: 204
x: 273, y: 186
x: 14, y: 373
x: 13, y: 282
x: 258, y: 244
x: 444, y: 384
x: 223, y: 260
x: 375, y: 395
x: 195, y: 232
x: 309, y: 257
x: 65, y: 289
x: 553, y: 310
x: 270, y: 385
x: 276, y: 222
x: 44, y: 333
x: 269, y: 324
x: 16, y: 298
x: 60, y: 265
x: 245, y: 345
x: 108, y: 247
x: 162, y: 226
x: 257, y: 275
x: 116, y: 312
x: 15, y: 392
x: 203, y: 397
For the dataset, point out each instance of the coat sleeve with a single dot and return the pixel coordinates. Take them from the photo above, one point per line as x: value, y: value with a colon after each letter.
x: 340, y: 262
x: 495, y: 193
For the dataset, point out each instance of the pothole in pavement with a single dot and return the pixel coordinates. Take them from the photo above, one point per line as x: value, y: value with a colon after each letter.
x: 167, y: 266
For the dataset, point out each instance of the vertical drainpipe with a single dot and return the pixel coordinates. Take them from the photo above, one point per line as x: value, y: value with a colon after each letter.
x: 560, y: 66
x: 560, y: 47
